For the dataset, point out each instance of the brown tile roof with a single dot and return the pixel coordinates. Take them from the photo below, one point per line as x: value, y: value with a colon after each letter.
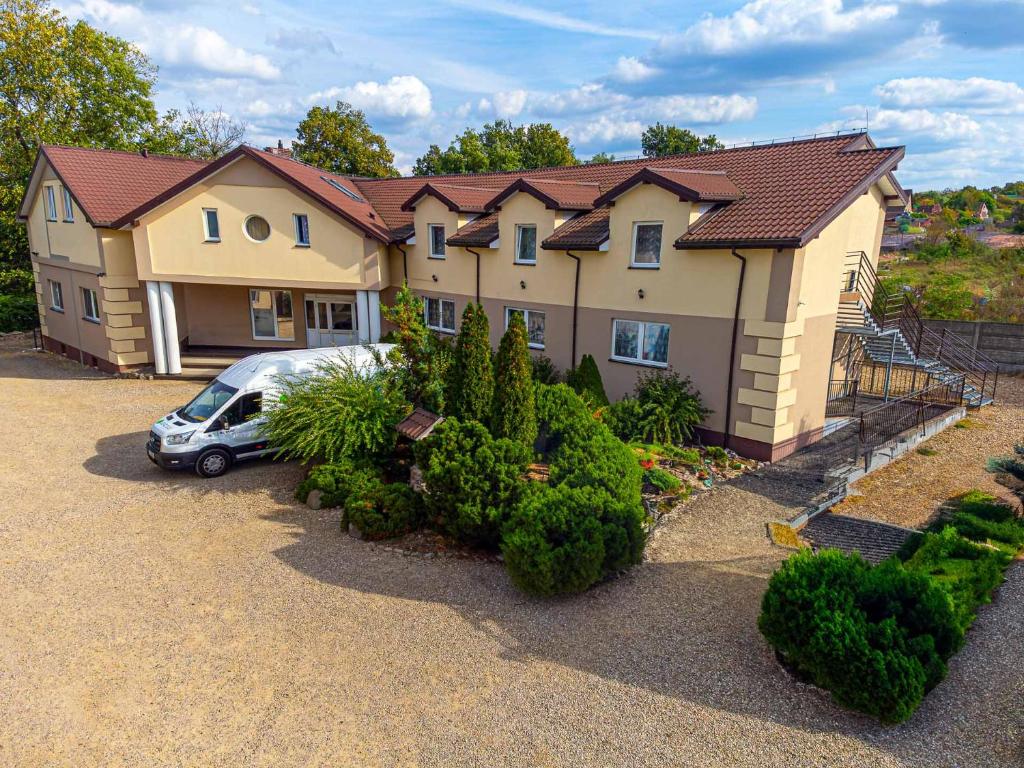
x: 106, y: 183
x: 584, y: 232
x: 466, y: 199
x: 556, y: 194
x: 419, y: 424
x: 479, y: 232
x: 689, y: 184
x: 324, y: 186
x: 788, y: 189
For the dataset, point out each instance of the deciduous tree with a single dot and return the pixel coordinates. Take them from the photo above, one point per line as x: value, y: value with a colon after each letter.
x: 498, y: 146
x: 660, y: 140
x: 341, y: 140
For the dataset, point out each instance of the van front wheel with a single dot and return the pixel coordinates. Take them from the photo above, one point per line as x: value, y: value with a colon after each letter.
x: 213, y: 463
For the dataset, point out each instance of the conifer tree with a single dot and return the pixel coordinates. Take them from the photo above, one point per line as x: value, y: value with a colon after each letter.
x: 514, y: 414
x: 586, y: 381
x: 472, y: 379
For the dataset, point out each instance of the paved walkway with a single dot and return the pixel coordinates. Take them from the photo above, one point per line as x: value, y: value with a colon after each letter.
x: 873, y: 540
x: 156, y: 619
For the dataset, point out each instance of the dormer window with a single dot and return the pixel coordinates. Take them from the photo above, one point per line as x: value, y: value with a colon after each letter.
x: 526, y: 244
x: 646, y: 244
x: 436, y: 232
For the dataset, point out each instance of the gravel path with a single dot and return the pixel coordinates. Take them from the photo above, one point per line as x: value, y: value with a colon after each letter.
x: 909, y: 491
x: 156, y: 619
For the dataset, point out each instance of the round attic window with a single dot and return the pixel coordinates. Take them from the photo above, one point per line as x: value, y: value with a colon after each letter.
x: 257, y: 228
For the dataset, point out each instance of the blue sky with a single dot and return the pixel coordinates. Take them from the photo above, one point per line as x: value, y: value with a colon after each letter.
x: 941, y: 77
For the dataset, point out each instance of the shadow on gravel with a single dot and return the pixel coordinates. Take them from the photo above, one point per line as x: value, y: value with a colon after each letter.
x: 27, y: 364
x: 123, y: 457
x: 687, y: 630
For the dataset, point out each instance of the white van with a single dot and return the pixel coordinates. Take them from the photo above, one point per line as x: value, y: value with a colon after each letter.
x: 223, y: 424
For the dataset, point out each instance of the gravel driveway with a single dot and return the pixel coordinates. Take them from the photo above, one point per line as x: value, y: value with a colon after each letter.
x: 156, y: 619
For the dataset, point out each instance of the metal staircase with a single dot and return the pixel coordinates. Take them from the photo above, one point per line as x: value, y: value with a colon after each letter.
x: 900, y: 353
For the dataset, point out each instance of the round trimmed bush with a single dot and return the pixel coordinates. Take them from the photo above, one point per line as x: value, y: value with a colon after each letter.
x: 472, y: 480
x: 381, y: 510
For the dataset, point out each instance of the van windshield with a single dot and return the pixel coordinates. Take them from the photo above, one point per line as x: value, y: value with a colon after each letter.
x: 207, y: 402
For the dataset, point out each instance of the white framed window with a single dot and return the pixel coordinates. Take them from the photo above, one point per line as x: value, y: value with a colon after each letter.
x: 634, y: 341
x: 91, y: 306
x: 271, y: 313
x: 51, y: 203
x: 439, y: 314
x: 301, y: 229
x: 56, y: 295
x: 69, y: 208
x: 436, y: 237
x: 646, y: 252
x: 526, y: 244
x: 211, y: 225
x: 534, y: 321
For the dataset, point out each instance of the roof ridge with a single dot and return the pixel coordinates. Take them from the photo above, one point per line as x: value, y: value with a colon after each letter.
x: 533, y: 180
x: 128, y: 153
x: 687, y: 170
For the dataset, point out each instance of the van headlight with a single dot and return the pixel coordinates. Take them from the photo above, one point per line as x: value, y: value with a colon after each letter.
x: 181, y: 439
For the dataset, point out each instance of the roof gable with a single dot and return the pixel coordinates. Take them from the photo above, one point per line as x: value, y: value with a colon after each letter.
x: 689, y: 184
x: 104, y: 183
x: 464, y: 199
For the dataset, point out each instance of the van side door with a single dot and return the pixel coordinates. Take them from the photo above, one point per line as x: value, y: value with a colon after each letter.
x: 241, y: 425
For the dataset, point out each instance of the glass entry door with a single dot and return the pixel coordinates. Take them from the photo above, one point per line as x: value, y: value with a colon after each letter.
x: 330, y: 321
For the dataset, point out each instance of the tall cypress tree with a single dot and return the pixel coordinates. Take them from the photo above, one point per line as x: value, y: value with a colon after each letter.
x: 472, y: 377
x: 514, y: 414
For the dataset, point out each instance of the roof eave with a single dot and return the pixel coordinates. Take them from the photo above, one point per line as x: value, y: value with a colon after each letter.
x: 886, y: 166
x: 30, y: 188
x: 739, y: 242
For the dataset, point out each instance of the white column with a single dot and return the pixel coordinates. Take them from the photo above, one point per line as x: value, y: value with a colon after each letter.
x: 170, y: 328
x: 363, y: 316
x: 374, y: 312
x: 156, y: 326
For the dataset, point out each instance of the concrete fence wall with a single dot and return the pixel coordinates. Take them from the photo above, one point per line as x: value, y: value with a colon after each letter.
x: 1003, y: 342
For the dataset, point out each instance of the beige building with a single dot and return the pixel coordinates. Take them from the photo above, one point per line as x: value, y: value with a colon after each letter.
x: 726, y: 266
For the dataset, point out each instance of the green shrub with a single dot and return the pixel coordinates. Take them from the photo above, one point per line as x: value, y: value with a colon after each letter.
x: 17, y: 281
x: 876, y: 638
x: 660, y: 479
x: 18, y: 312
x: 543, y: 370
x: 471, y: 375
x: 664, y: 409
x: 381, y: 510
x: 513, y: 413
x: 553, y: 542
x: 969, y: 572
x: 472, y: 481
x: 339, y: 413
x: 332, y: 480
x: 985, y: 506
x: 717, y: 455
x: 981, y: 530
x: 586, y: 382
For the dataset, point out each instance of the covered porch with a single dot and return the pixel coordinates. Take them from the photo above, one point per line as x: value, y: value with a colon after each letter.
x: 197, y: 329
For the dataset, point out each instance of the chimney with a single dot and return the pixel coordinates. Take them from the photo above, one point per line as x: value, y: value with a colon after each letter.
x: 145, y: 152
x: 280, y: 150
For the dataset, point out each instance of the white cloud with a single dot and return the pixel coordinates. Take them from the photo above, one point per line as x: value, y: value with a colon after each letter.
x: 301, y: 38
x: 606, y: 130
x: 589, y: 97
x: 900, y: 123
x: 509, y: 103
x: 977, y: 93
x: 251, y: 9
x: 201, y: 47
x: 704, y: 109
x: 401, y: 96
x: 629, y: 69
x: 175, y: 44
x: 771, y: 22
x: 552, y: 19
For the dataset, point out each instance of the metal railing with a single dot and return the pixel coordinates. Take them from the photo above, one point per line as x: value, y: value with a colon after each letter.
x: 894, y: 311
x: 879, y: 426
x: 842, y: 398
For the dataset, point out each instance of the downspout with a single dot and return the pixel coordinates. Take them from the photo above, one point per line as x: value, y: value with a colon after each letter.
x: 575, y: 305
x: 732, y: 348
x: 477, y: 254
x: 405, y: 262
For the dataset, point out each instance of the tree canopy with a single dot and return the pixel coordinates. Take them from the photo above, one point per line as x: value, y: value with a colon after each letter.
x: 498, y: 146
x: 341, y: 140
x: 660, y: 140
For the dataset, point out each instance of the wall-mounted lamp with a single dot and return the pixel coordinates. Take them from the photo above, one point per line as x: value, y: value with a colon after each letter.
x: 522, y: 284
x: 435, y: 278
x: 640, y: 293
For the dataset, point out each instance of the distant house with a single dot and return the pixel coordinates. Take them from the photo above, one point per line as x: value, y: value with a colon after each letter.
x: 982, y: 212
x: 935, y: 210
